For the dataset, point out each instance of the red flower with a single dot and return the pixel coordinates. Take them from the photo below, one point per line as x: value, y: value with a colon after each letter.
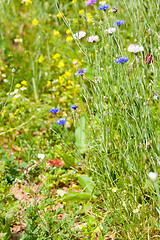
x: 149, y: 59
x: 51, y: 162
x: 57, y: 162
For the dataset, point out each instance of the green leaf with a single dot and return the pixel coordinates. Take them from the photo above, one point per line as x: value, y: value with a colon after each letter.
x: 8, y: 220
x: 76, y: 196
x: 69, y: 160
x: 86, y: 183
x: 80, y: 135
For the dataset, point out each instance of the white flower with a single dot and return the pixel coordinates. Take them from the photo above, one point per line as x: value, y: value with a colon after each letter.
x: 102, y: 3
x: 93, y: 38
x: 5, y: 80
x: 17, y: 96
x: 3, y: 75
x: 135, y: 48
x: 15, y: 91
x: 114, y: 189
x: 152, y: 176
x: 110, y: 30
x: 79, y: 35
x: 136, y: 210
x: 41, y: 156
x: 16, y: 40
x: 23, y: 88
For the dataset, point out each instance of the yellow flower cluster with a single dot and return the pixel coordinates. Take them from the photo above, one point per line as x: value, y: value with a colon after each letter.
x: 69, y: 39
x: 61, y: 64
x: 35, y: 22
x: 26, y: 2
x: 89, y: 18
x: 68, y: 31
x: 40, y: 59
x: 81, y: 11
x: 59, y: 15
x: 24, y: 82
x: 56, y: 33
x: 56, y: 56
x: 74, y: 1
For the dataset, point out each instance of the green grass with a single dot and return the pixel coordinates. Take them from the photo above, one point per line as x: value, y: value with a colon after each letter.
x: 110, y: 142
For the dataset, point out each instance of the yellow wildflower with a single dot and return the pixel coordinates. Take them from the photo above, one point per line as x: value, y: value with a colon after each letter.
x: 27, y: 2
x: 74, y: 1
x: 69, y: 39
x: 56, y: 33
x: 61, y: 64
x: 89, y: 18
x: 68, y: 31
x: 67, y: 74
x: 59, y: 15
x: 24, y: 82
x: 81, y: 11
x: 40, y: 59
x: 69, y: 87
x: 70, y: 82
x: 35, y: 22
x: 75, y: 20
x: 56, y: 56
x: 61, y: 80
x: 75, y: 60
x: 49, y: 83
x: 18, y: 85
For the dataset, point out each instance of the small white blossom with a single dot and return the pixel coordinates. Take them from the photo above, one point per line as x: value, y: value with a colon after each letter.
x: 136, y: 210
x: 23, y: 88
x: 17, y: 96
x: 110, y: 31
x: 93, y: 38
x: 135, y: 48
x: 41, y: 156
x: 79, y: 35
x: 5, y: 80
x: 152, y: 176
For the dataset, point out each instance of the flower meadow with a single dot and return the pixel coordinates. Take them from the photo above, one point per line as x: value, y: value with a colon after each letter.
x: 79, y: 113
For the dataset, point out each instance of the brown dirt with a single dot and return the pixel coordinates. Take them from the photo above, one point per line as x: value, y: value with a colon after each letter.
x: 22, y: 196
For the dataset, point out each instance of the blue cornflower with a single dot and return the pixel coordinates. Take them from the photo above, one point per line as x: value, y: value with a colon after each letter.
x: 118, y: 23
x: 74, y: 107
x: 54, y: 110
x: 81, y: 72
x: 122, y: 60
x: 103, y: 7
x: 61, y: 121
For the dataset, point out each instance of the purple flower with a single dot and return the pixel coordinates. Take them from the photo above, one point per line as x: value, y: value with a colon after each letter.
x: 74, y: 107
x: 90, y: 2
x: 54, y: 110
x: 61, y: 121
x: 81, y: 72
x: 122, y: 60
x: 103, y: 7
x: 118, y: 23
